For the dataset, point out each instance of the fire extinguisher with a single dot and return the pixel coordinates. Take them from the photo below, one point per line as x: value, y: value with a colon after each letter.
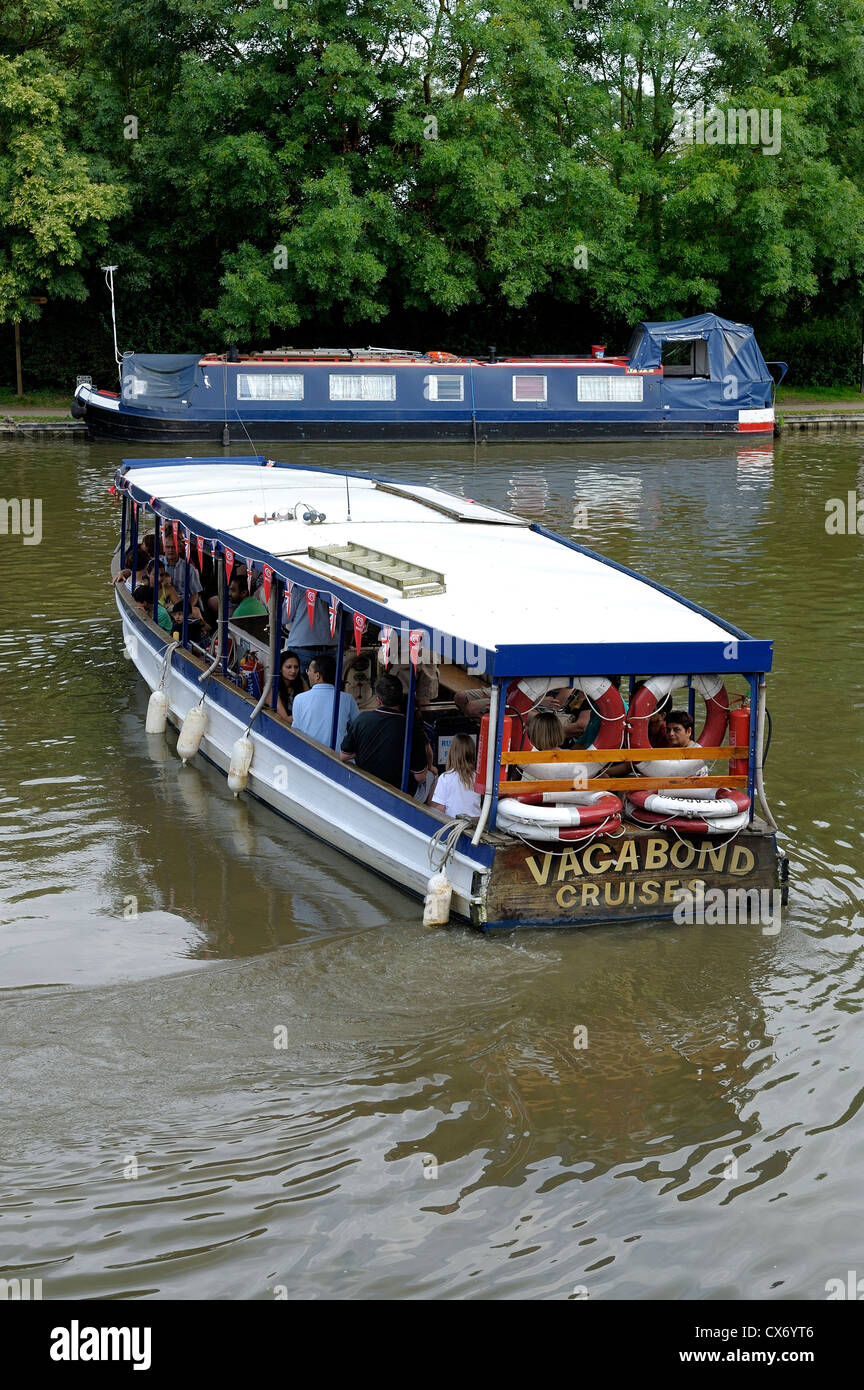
x: 739, y: 737
x: 483, y: 746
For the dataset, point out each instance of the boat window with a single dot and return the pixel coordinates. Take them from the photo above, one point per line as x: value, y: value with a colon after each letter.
x: 269, y: 386
x: 444, y: 388
x: 609, y: 388
x: 362, y: 386
x: 529, y: 388
x: 687, y: 357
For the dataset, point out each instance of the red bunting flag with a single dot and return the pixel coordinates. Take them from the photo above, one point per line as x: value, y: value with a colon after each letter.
x: 311, y: 596
x: 359, y: 629
x: 334, y: 609
x: 200, y: 552
x: 175, y: 532
x: 385, y: 645
x: 268, y: 580
x: 415, y: 637
x: 229, y: 563
x: 213, y: 549
x: 250, y: 570
x: 289, y: 589
x: 187, y: 546
x: 134, y: 509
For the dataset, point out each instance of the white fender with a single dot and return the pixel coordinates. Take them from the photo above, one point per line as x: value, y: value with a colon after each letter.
x: 157, y: 713
x: 436, y: 906
x: 191, y: 733
x: 241, y: 761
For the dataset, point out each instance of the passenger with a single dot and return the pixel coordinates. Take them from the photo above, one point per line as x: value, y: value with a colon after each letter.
x: 143, y: 597
x: 177, y: 573
x: 238, y: 591
x: 454, y: 792
x: 310, y: 640
x: 545, y: 731
x: 375, y: 740
x: 291, y: 684
x: 312, y: 711
x: 679, y: 730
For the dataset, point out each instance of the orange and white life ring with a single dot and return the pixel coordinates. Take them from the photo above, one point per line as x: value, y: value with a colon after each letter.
x: 645, y: 702
x: 442, y: 357
x: 566, y: 811
x: 709, y: 803
x: 602, y: 696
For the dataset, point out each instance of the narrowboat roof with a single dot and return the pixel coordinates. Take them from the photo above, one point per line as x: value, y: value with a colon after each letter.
x: 536, y: 603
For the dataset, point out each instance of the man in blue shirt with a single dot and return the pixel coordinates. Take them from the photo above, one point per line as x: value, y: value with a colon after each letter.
x: 312, y: 711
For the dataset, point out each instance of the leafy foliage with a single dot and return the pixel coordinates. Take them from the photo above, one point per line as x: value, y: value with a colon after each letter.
x: 317, y: 167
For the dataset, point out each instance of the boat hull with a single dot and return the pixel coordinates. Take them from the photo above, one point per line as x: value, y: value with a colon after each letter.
x: 496, y: 884
x: 106, y: 423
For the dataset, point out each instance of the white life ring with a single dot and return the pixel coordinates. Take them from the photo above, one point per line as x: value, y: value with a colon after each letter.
x: 601, y: 695
x: 685, y: 825
x: 581, y: 809
x: 646, y: 700
x: 711, y: 803
x: 562, y: 835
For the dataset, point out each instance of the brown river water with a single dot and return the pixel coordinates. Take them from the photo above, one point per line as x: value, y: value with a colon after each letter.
x: 427, y: 1129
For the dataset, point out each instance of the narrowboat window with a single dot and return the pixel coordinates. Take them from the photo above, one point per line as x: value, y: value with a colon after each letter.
x: 362, y: 386
x: 688, y: 357
x: 529, y: 388
x: 609, y: 388
x: 444, y: 388
x: 269, y: 386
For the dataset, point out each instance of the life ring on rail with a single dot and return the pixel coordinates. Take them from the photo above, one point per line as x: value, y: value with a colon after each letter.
x: 646, y: 700
x: 442, y: 357
x: 711, y: 803
x: 558, y: 835
x: 579, y: 809
x: 687, y: 825
x: 601, y: 695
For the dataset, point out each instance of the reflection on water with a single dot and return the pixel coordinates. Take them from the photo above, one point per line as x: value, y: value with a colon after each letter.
x: 231, y: 1061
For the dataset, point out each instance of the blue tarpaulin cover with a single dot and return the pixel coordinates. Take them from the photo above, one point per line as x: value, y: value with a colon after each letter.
x: 738, y: 374
x: 150, y: 378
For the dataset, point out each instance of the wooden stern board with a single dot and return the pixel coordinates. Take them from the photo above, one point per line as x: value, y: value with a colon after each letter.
x: 627, y: 879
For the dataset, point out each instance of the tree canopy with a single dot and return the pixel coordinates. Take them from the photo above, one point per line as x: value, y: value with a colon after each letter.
x: 263, y: 170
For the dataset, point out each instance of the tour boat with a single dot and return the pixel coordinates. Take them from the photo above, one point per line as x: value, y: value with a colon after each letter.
x: 492, y: 603
x: 703, y: 376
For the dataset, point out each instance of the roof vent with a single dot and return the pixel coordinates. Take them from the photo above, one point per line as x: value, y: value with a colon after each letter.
x: 412, y: 581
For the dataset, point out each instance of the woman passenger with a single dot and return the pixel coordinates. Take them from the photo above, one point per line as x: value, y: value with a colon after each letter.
x: 454, y: 792
x: 291, y: 683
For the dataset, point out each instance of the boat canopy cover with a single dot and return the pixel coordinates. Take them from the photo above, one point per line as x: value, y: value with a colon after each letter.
x: 505, y: 582
x: 732, y: 347
x: 157, y: 377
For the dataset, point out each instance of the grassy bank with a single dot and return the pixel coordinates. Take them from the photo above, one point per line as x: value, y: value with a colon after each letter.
x: 33, y: 400
x: 803, y: 398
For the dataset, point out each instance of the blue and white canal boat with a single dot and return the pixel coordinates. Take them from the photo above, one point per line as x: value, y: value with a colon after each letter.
x: 503, y: 612
x: 697, y: 377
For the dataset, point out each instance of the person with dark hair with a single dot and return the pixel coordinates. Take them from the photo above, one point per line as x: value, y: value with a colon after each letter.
x: 143, y: 596
x: 679, y: 729
x: 291, y: 684
x: 375, y: 739
x: 312, y: 712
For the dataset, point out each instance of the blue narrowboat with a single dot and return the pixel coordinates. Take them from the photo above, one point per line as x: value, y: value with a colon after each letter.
x: 702, y: 376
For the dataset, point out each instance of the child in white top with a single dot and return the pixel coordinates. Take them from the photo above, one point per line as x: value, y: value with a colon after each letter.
x: 454, y: 791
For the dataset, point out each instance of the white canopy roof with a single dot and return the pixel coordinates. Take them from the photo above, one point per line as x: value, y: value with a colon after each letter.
x: 505, y: 584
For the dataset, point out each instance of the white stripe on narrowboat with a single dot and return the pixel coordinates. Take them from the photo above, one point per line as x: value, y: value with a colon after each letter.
x: 495, y: 626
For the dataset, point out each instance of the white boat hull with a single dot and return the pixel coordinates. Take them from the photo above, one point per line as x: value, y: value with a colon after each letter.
x: 302, y: 792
